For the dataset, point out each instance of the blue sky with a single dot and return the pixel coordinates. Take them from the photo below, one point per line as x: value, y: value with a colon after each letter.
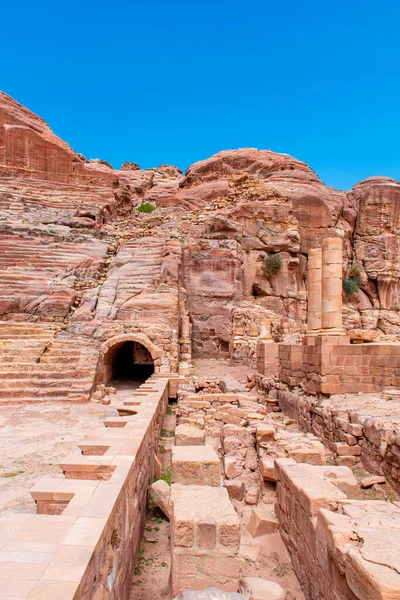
x: 175, y: 82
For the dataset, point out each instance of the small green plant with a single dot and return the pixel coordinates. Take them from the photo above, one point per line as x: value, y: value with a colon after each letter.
x: 272, y: 264
x: 115, y: 539
x: 146, y: 207
x: 350, y: 286
x: 167, y: 476
x: 355, y: 279
x: 140, y: 563
x: 166, y: 434
x: 356, y: 272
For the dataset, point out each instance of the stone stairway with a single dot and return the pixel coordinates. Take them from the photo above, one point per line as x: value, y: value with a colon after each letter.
x: 37, y: 363
x: 37, y: 273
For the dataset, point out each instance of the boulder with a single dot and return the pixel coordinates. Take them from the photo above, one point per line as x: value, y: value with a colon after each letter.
x: 262, y: 522
x: 229, y: 384
x: 160, y: 493
x: 265, y: 433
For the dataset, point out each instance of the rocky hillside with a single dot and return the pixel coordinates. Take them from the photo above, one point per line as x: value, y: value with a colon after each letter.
x: 245, y: 220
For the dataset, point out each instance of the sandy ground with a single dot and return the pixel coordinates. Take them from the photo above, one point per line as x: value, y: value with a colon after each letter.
x: 34, y: 438
x: 204, y: 367
x: 152, y: 571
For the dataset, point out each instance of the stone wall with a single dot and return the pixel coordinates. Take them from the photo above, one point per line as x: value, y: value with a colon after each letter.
x: 334, y: 366
x: 370, y: 434
x: 95, y: 516
x: 339, y: 547
x: 291, y: 364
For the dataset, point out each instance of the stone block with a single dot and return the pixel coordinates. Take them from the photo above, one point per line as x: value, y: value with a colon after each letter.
x: 265, y: 433
x: 236, y: 488
x: 311, y: 456
x: 195, y: 465
x: 232, y: 468
x: 368, y: 482
x: 187, y: 435
x: 160, y: 493
x: 268, y: 468
x: 205, y: 535
x: 194, y: 504
x: 346, y: 450
x: 262, y: 522
x: 252, y: 495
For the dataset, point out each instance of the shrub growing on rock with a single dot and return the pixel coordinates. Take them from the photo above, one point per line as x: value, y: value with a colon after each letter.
x: 272, y: 264
x: 146, y: 207
x: 356, y: 278
x: 351, y: 286
x: 356, y: 272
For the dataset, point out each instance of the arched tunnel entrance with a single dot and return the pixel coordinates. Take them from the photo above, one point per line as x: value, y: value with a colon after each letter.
x: 131, y: 362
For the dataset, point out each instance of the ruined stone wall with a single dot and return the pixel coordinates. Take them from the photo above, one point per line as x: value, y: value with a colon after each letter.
x: 352, y: 432
x: 337, y: 549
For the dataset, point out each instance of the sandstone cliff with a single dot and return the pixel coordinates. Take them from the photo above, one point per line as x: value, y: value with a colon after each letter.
x: 70, y: 235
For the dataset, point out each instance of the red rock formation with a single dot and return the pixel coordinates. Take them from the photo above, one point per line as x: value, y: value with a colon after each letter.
x: 63, y: 218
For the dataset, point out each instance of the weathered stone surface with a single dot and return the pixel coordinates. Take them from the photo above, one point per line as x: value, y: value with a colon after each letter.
x: 195, y: 465
x: 262, y: 521
x: 265, y: 433
x: 268, y: 468
x: 236, y: 488
x: 187, y: 435
x: 160, y: 493
x: 367, y: 482
x: 363, y: 335
x: 205, y: 535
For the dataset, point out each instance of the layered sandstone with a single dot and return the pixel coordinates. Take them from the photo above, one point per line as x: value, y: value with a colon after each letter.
x: 190, y: 275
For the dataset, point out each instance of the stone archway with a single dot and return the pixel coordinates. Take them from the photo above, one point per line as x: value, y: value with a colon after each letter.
x: 130, y: 357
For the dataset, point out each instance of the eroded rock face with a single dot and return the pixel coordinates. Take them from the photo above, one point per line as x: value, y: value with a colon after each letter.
x: 71, y: 240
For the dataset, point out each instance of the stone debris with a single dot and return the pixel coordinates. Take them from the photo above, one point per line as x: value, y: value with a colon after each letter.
x: 368, y: 482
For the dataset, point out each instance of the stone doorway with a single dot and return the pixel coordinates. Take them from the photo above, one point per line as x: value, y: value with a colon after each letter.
x: 131, y: 362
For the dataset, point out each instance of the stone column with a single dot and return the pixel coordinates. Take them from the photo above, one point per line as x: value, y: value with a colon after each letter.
x: 332, y: 284
x: 314, y: 316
